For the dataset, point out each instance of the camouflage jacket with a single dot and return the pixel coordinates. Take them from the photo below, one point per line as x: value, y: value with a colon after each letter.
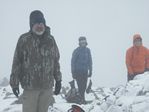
x: 36, y: 62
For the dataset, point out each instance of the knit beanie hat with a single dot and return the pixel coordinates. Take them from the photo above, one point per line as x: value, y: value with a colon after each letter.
x: 82, y: 38
x: 36, y: 17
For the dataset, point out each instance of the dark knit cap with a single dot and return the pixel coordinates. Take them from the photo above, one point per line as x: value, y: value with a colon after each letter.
x: 36, y: 17
x: 82, y: 38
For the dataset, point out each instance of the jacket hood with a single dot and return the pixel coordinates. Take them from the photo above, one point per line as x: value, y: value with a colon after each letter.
x: 137, y: 36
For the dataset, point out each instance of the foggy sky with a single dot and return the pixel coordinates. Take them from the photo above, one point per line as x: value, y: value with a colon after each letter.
x: 107, y: 24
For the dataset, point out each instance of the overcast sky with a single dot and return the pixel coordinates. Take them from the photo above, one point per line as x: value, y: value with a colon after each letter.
x: 107, y: 24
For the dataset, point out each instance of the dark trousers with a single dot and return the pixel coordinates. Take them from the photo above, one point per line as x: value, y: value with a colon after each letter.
x: 82, y: 83
x: 130, y: 77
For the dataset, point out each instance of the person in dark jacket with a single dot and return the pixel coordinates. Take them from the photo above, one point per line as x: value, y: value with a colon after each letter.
x: 81, y: 66
x: 36, y: 66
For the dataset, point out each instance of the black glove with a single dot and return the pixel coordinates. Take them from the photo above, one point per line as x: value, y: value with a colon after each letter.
x: 72, y: 84
x: 16, y: 92
x: 57, y: 87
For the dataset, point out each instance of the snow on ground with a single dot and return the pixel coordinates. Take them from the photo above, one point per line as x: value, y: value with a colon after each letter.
x: 7, y: 99
x: 133, y: 97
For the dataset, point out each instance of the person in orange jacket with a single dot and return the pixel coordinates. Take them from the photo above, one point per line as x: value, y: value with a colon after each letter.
x: 137, y: 58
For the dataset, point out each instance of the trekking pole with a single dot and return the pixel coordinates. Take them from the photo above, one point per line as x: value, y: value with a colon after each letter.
x: 97, y: 98
x: 105, y: 98
x: 95, y: 95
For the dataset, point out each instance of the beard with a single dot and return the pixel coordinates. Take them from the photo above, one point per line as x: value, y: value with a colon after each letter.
x: 38, y: 31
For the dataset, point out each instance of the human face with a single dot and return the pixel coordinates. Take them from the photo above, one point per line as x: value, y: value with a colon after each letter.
x: 138, y: 42
x: 38, y: 28
x: 82, y: 43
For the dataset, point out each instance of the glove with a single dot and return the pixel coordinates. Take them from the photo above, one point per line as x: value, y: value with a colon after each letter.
x: 130, y: 74
x: 57, y: 87
x: 72, y: 84
x: 16, y: 92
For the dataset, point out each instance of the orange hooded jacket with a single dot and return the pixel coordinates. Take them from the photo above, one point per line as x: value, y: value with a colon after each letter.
x: 137, y: 58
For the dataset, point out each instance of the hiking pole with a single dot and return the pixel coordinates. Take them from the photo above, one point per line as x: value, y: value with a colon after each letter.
x: 105, y: 98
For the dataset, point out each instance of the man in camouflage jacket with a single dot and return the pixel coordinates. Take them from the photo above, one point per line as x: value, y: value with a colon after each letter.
x: 36, y: 66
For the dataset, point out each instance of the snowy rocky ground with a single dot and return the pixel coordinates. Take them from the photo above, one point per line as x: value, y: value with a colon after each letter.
x: 132, y: 97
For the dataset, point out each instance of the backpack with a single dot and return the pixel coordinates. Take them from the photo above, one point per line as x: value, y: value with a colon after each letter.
x: 75, y: 108
x: 73, y: 96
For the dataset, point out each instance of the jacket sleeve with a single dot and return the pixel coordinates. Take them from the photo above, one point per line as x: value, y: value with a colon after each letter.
x: 57, y: 73
x: 128, y: 62
x: 16, y: 66
x: 90, y: 62
x: 147, y: 60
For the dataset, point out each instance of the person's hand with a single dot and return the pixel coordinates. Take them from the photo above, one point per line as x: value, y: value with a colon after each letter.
x: 131, y: 74
x: 57, y: 87
x: 16, y: 92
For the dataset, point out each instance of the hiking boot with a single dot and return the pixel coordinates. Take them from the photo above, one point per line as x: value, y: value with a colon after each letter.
x: 83, y: 101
